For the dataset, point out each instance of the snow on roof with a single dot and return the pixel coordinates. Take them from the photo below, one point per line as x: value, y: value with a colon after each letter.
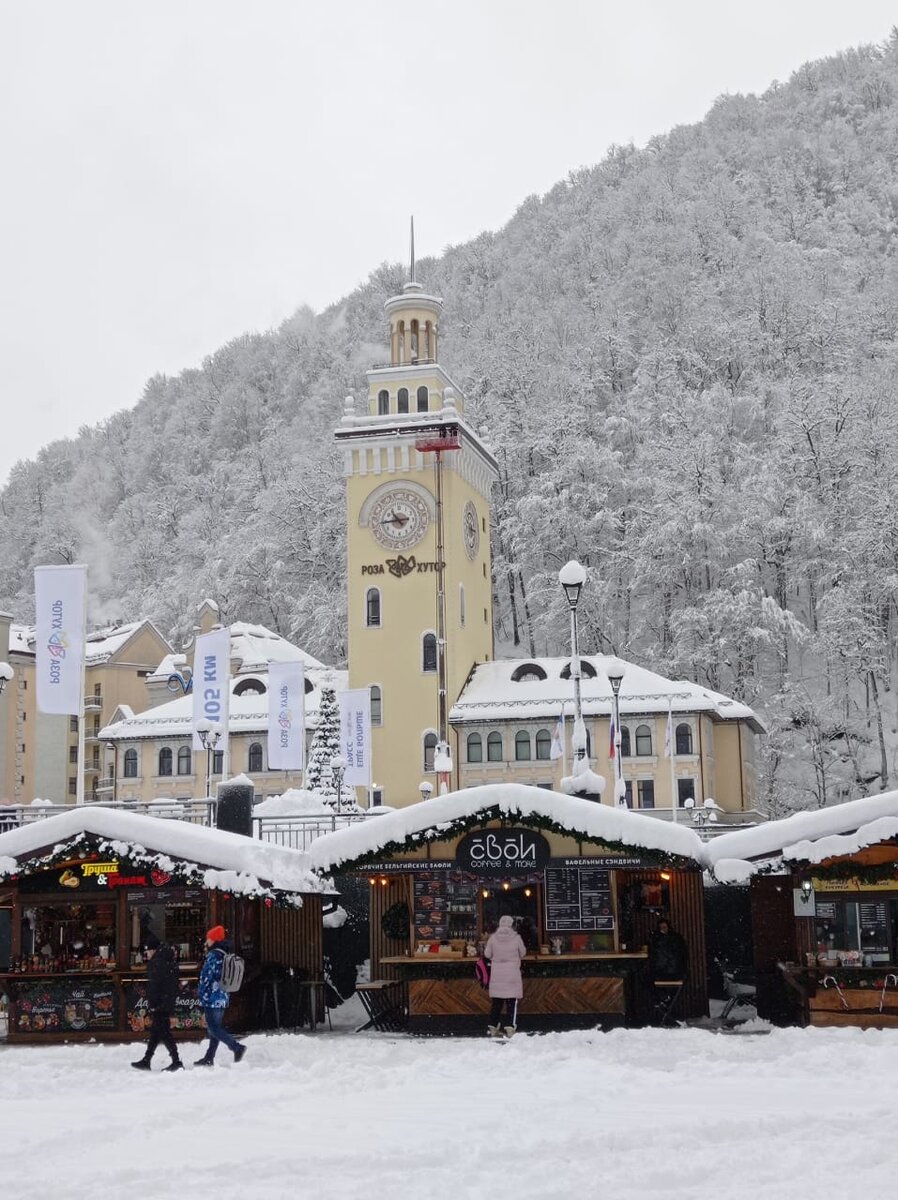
x: 255, y: 647
x: 103, y: 643
x: 285, y: 869
x: 21, y: 639
x: 294, y: 802
x: 248, y: 711
x: 597, y: 821
x: 492, y: 693
x: 807, y: 836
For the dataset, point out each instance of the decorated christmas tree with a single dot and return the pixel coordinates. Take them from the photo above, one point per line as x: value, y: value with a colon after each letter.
x: 326, y: 746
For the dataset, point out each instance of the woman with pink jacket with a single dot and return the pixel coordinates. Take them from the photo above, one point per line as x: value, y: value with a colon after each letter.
x: 505, y: 950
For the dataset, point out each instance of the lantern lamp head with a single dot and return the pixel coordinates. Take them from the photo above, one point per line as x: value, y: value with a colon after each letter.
x: 572, y: 577
x: 806, y: 888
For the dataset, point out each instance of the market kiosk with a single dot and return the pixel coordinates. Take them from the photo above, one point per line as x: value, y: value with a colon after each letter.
x: 824, y: 904
x: 82, y: 890
x: 585, y: 883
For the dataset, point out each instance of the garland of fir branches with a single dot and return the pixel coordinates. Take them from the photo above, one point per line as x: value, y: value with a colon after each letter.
x: 182, y: 872
x: 863, y: 872
x: 454, y: 828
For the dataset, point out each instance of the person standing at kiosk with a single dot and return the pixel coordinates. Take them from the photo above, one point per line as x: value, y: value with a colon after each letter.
x: 504, y: 949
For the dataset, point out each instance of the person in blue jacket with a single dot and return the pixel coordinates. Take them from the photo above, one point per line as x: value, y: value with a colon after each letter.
x: 215, y: 999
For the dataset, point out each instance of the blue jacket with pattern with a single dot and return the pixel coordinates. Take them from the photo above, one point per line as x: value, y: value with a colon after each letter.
x: 209, y: 990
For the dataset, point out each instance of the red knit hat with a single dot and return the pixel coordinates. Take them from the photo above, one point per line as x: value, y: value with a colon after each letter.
x: 216, y: 934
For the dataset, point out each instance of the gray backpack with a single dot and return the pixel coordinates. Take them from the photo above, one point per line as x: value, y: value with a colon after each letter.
x: 232, y: 969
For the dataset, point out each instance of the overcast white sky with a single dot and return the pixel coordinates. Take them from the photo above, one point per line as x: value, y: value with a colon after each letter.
x: 175, y: 173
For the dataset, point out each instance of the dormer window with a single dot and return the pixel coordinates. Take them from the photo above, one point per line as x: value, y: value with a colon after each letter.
x: 587, y: 670
x: 528, y: 673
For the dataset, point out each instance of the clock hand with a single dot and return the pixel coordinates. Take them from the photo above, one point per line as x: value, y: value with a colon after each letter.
x: 395, y: 518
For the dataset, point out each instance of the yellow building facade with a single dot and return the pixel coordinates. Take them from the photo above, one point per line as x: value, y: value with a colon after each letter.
x: 418, y: 482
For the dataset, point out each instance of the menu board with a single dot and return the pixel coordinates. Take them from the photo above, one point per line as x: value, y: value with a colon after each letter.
x: 874, y: 928
x: 578, y: 898
x: 65, y: 1005
x: 431, y: 909
x: 188, y: 1012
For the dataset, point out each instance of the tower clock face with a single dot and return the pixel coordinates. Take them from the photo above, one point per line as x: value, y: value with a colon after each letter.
x: 471, y: 530
x: 399, y: 519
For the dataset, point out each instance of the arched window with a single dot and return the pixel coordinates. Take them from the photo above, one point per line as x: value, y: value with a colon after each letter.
x: 184, y: 760
x: 165, y: 761
x: 527, y: 672
x: 475, y: 748
x: 376, y: 705
x: 643, y: 741
x: 413, y: 329
x: 587, y: 670
x: 543, y: 744
x: 522, y: 746
x: 430, y: 746
x: 130, y: 764
x: 429, y: 652
x: 383, y: 402
x: 254, y: 760
x: 625, y: 750
x: 494, y: 747
x: 372, y: 607
x: 402, y: 400
x: 423, y: 399
x: 684, y: 739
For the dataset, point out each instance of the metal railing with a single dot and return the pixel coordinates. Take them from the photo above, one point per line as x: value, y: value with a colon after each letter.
x: 299, y: 832
x: 91, y: 702
x: 196, y: 812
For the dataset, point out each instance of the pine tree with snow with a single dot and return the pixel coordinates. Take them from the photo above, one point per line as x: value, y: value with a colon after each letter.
x: 325, y: 746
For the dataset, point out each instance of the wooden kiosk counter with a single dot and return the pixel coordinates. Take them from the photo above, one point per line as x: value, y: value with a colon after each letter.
x: 585, y: 883
x: 79, y: 891
x: 824, y: 907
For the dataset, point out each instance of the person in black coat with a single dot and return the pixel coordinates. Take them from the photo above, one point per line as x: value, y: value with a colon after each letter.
x: 667, y: 962
x: 162, y: 992
x: 667, y: 953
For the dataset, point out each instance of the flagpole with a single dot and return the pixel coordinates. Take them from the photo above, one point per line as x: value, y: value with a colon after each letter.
x: 671, y: 743
x: 79, y: 783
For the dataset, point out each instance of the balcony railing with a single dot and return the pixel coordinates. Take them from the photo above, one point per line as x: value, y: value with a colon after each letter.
x: 106, y: 784
x: 299, y: 832
x: 92, y: 703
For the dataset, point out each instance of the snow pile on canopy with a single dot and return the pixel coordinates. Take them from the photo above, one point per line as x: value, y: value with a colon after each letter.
x: 294, y: 802
x: 441, y: 814
x: 804, y: 837
x: 233, y: 862
x: 255, y: 647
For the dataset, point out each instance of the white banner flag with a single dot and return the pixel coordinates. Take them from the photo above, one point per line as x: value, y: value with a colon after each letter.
x: 355, y: 735
x: 60, y: 599
x: 286, y: 716
x: 212, y: 681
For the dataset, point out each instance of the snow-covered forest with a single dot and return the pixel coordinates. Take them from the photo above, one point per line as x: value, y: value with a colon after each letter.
x: 685, y: 359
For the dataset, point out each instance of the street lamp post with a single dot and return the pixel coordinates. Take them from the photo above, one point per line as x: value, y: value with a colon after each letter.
x: 210, y: 734
x: 615, y: 669
x: 572, y: 577
x: 338, y: 770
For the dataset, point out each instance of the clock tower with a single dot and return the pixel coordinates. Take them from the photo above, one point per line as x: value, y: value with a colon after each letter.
x: 418, y: 580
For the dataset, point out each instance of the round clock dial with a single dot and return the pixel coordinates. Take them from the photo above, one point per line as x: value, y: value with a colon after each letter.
x: 471, y: 530
x: 398, y: 519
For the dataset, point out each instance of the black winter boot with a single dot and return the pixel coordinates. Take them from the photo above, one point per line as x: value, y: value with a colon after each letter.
x: 205, y: 1061
x: 174, y: 1065
x: 142, y: 1064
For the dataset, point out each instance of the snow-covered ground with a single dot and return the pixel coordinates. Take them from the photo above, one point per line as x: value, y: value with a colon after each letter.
x: 646, y: 1115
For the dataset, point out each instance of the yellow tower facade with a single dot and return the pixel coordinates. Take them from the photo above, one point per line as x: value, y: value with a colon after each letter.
x: 418, y: 482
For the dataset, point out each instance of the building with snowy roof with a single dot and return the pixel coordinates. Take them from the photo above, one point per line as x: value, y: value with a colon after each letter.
x: 679, y: 741
x: 39, y: 754
x: 150, y: 753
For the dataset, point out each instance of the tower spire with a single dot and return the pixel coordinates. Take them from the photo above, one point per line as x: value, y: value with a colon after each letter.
x: 412, y: 255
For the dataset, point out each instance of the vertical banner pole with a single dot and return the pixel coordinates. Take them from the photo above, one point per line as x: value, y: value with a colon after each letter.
x: 671, y: 746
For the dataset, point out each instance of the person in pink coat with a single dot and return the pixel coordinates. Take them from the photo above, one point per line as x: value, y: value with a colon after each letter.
x: 505, y: 950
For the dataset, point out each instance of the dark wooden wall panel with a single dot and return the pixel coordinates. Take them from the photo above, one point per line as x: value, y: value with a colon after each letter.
x: 685, y: 911
x: 398, y: 890
x: 293, y: 936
